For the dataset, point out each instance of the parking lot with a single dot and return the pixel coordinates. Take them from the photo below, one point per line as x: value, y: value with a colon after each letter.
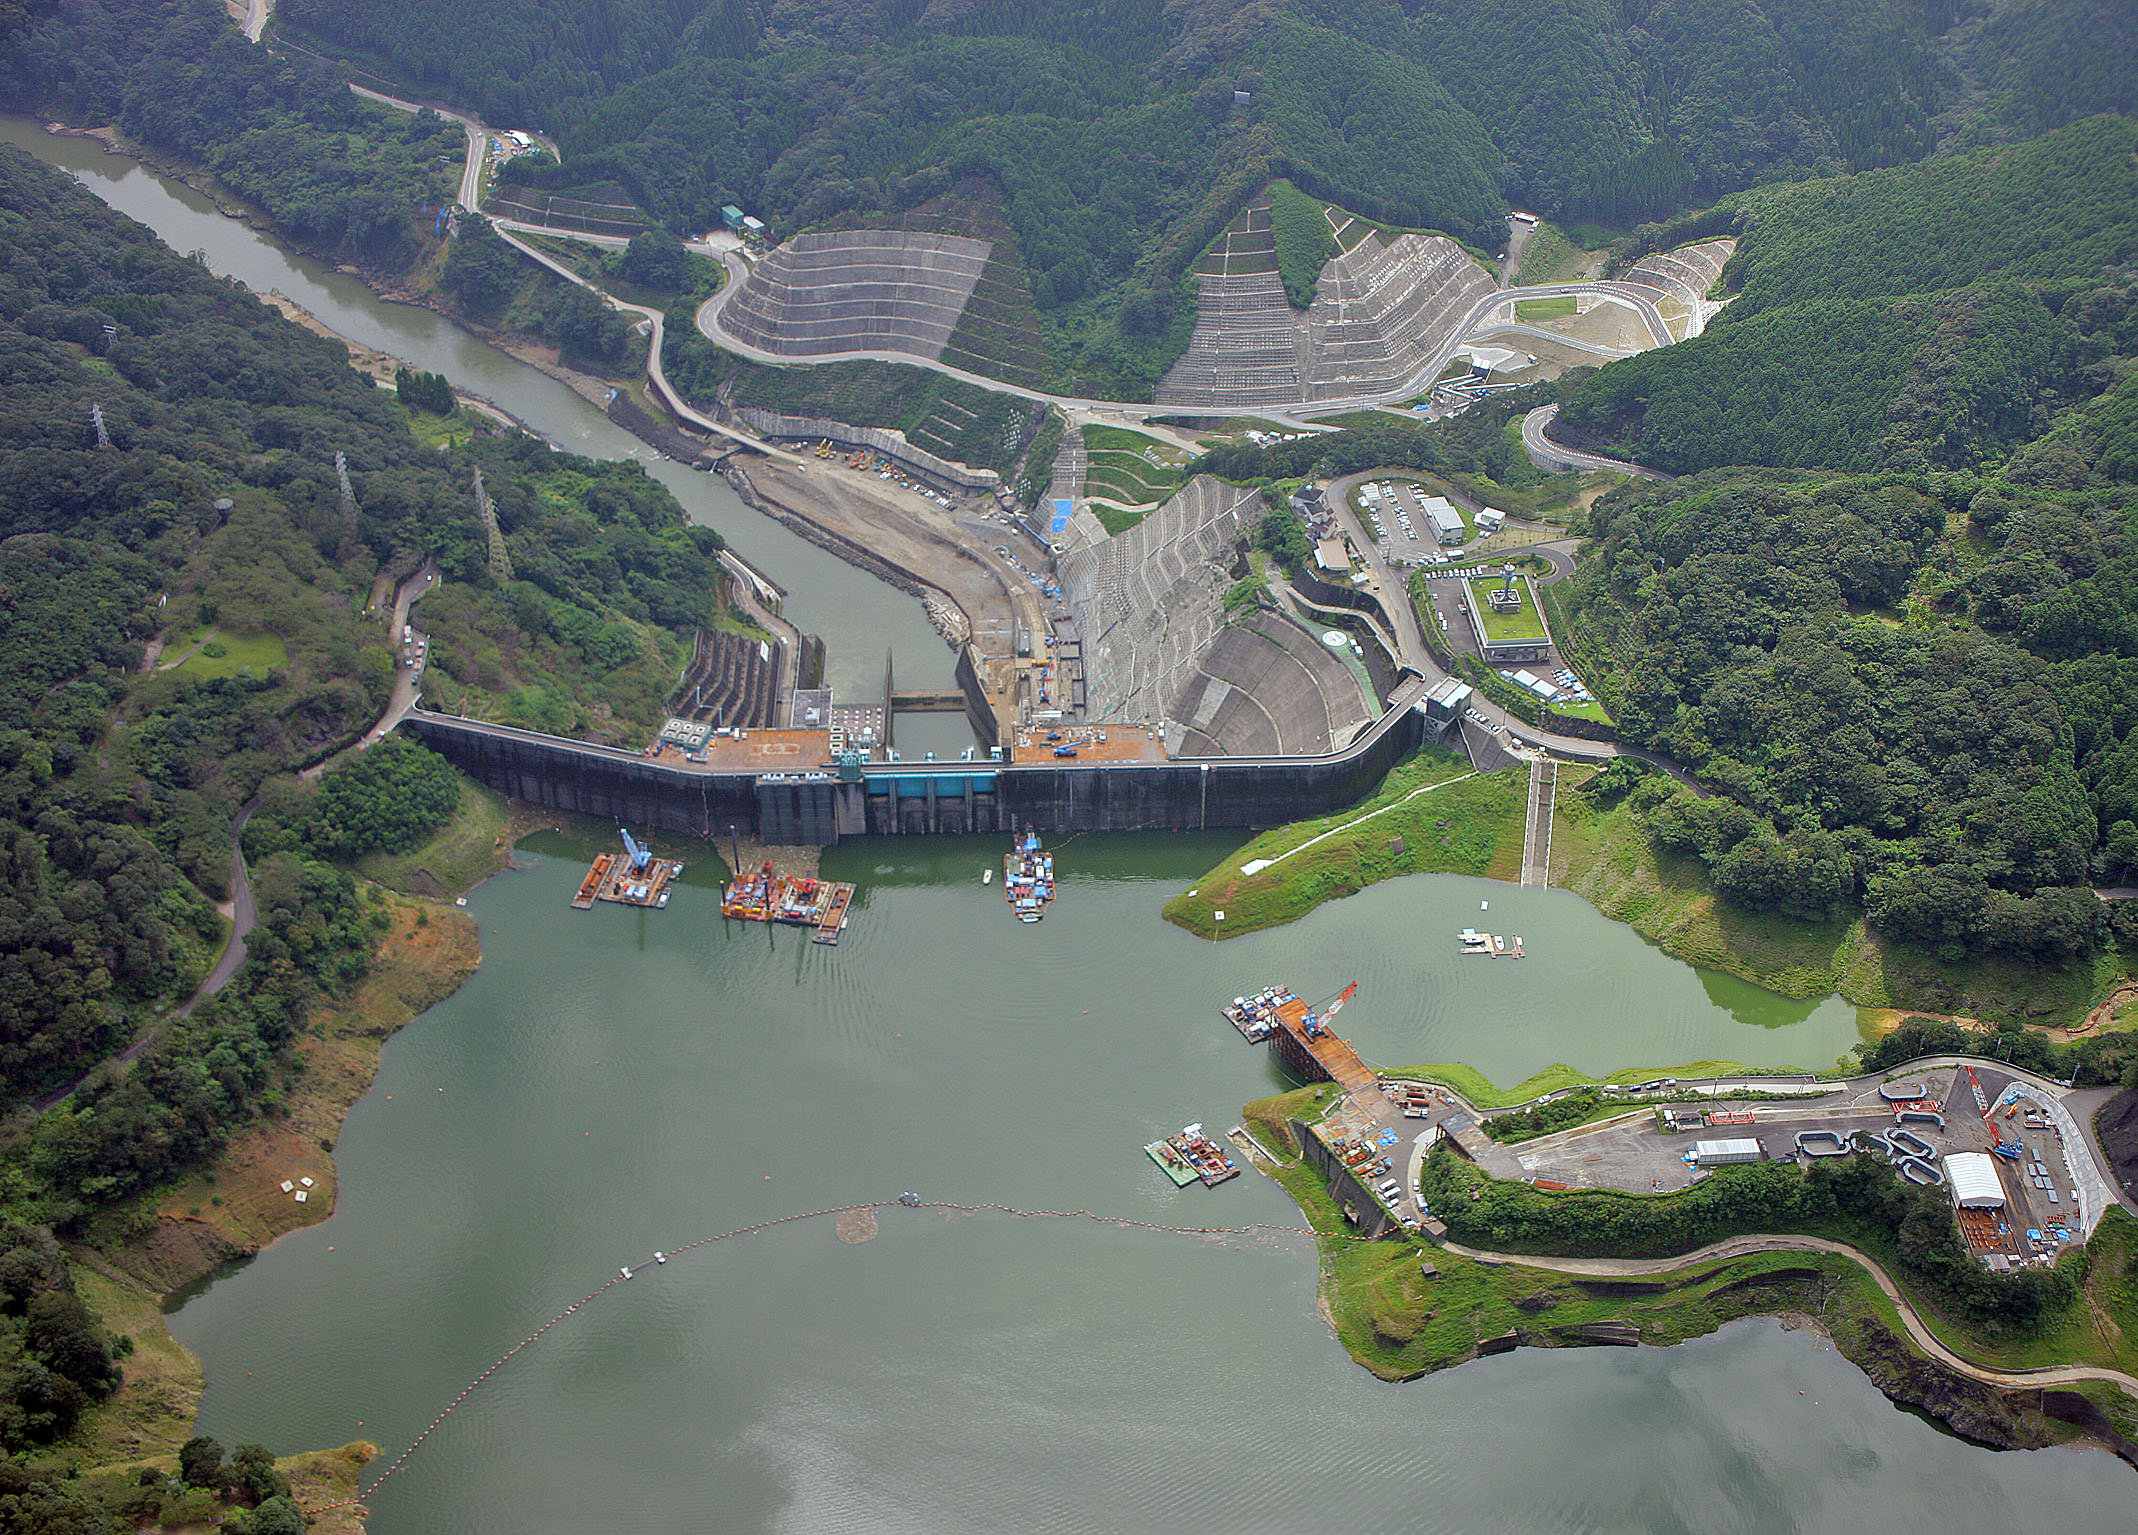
x: 2051, y: 1200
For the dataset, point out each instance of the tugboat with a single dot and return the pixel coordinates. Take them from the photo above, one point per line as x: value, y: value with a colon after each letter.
x: 1028, y: 877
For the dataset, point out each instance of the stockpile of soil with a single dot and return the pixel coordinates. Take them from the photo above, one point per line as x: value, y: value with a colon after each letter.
x: 2118, y: 1129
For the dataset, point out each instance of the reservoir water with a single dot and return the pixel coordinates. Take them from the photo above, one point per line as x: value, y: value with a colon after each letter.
x: 611, y: 1082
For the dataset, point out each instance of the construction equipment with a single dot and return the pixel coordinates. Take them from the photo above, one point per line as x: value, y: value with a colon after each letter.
x: 640, y: 854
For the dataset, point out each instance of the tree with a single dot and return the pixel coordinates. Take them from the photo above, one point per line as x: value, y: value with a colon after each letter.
x: 278, y: 1516
x: 253, y: 1478
x: 200, y: 1463
x: 655, y: 259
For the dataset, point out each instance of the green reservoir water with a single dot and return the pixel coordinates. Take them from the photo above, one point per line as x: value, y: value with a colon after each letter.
x: 611, y: 1082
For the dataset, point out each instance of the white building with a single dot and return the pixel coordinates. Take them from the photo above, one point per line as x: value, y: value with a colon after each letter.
x: 1444, y: 520
x: 1974, y: 1180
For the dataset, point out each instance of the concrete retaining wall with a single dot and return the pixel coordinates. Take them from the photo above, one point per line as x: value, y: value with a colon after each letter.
x: 890, y: 443
x: 1057, y: 799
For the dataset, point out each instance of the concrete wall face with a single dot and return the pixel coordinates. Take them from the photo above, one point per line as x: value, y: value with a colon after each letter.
x: 1056, y: 799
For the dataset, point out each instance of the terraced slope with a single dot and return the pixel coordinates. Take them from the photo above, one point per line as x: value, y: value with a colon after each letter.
x: 1149, y: 601
x: 1382, y: 305
x: 1267, y: 687
x: 865, y: 290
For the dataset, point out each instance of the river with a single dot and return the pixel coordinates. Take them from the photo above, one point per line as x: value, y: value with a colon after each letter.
x: 857, y: 615
x: 611, y: 1082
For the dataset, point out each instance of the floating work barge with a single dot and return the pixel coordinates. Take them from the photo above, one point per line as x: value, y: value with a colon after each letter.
x: 1192, y: 1157
x: 1300, y: 1035
x: 804, y: 901
x: 635, y: 879
x: 591, y: 885
x: 1028, y: 877
x: 1490, y: 945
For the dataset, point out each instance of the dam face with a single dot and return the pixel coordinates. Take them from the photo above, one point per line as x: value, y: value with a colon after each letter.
x: 916, y: 799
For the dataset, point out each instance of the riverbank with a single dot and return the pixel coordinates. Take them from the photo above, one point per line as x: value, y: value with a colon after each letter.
x: 279, y: 1176
x: 1605, y: 855
x: 1404, y: 1310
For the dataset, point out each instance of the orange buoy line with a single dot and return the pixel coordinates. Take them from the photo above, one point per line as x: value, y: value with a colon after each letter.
x: 628, y: 1272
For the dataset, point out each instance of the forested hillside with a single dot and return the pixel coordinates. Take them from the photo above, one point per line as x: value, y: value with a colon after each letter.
x: 213, y: 525
x: 1943, y: 315
x: 337, y: 173
x: 1912, y: 680
x: 1120, y: 135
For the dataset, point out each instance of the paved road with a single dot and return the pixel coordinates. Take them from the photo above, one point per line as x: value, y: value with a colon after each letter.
x: 244, y: 917
x: 1538, y: 333
x: 1738, y: 1247
x: 708, y: 322
x: 407, y: 680
x: 256, y: 14
x: 1559, y: 459
x: 1519, y: 233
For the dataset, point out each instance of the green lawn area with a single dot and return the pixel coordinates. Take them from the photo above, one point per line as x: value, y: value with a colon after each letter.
x: 1469, y: 823
x: 1544, y: 308
x: 1588, y: 711
x: 1520, y: 623
x: 233, y: 655
x: 1129, y: 467
x: 1116, y: 519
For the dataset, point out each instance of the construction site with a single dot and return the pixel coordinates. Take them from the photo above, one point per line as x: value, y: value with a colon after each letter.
x: 633, y: 878
x: 1382, y: 306
x: 796, y: 900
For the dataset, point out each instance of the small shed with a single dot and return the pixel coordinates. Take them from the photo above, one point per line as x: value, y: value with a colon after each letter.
x: 1727, y: 1153
x: 1975, y: 1185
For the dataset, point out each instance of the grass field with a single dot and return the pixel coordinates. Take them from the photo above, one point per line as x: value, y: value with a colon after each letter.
x: 1544, y: 308
x: 467, y: 850
x: 1451, y: 821
x: 1588, y: 711
x: 1130, y: 468
x: 1520, y: 623
x: 236, y: 655
x: 1549, y: 256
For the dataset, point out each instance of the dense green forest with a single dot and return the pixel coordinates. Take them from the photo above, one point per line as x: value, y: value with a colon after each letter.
x: 1119, y: 135
x: 186, y: 615
x: 337, y: 173
x: 213, y: 523
x: 1939, y: 316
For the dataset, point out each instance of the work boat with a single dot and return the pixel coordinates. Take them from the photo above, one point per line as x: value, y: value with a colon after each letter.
x: 1028, y: 877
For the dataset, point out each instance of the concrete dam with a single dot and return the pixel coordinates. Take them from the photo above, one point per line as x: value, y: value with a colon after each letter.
x: 822, y: 807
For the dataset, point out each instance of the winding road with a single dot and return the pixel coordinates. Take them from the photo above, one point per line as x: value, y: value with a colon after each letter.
x: 1557, y: 458
x: 1295, y: 414
x: 1744, y: 1246
x: 244, y: 917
